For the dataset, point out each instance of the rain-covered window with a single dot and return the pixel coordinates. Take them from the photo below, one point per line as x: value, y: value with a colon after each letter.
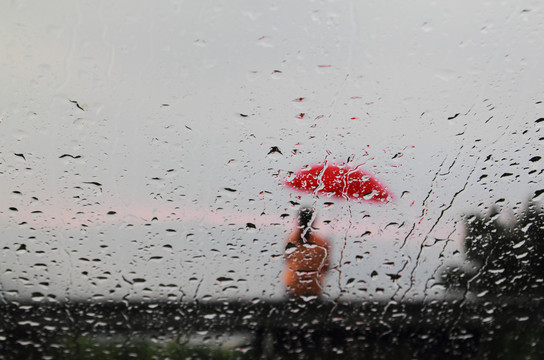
x: 271, y: 179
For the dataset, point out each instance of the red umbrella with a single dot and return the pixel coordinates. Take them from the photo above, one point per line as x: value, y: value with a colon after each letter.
x: 340, y: 181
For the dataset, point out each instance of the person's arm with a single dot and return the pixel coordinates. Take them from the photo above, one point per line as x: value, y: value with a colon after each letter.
x: 328, y: 256
x: 290, y: 241
x: 324, y: 244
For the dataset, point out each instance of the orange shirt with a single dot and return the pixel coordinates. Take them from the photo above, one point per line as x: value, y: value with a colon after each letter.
x: 306, y: 264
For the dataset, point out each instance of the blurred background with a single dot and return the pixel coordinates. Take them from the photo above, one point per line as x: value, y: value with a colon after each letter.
x: 145, y: 149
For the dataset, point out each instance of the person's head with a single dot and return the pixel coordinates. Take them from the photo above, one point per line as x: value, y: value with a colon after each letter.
x: 305, y: 216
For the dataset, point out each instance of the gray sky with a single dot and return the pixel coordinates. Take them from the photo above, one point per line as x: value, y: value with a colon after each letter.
x: 440, y: 85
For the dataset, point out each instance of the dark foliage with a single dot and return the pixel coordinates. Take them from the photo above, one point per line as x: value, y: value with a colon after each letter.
x: 503, y: 260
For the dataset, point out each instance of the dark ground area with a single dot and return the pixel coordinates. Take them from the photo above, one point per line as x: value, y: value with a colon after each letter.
x: 290, y: 330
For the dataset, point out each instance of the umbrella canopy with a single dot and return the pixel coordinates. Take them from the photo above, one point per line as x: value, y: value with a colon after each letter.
x: 340, y: 181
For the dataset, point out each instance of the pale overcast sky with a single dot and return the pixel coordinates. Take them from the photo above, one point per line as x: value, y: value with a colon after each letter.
x: 166, y: 104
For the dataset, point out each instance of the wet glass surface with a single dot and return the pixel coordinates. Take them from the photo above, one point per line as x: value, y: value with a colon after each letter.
x: 154, y: 158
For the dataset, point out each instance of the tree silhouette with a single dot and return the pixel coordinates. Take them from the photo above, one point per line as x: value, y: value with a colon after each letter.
x: 502, y: 260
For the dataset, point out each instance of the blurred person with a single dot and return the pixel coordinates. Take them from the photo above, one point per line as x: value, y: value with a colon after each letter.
x: 307, y: 258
